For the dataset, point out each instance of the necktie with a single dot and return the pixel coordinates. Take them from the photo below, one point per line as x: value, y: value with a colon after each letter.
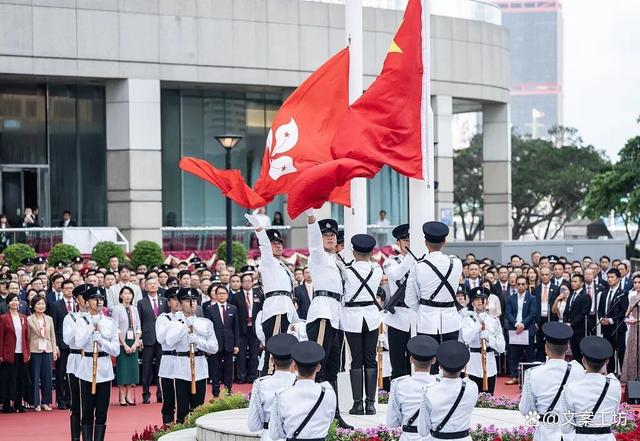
x: 69, y: 307
x: 155, y: 307
x: 249, y: 309
x: 224, y: 313
x: 545, y: 294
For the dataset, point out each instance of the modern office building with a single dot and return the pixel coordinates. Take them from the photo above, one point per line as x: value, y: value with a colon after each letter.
x: 99, y: 99
x: 536, y: 64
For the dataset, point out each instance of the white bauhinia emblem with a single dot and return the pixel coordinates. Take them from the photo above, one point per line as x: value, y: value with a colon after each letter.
x: 286, y: 139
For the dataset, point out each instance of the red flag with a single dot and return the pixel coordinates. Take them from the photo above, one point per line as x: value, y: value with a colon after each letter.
x: 386, y: 125
x: 299, y: 139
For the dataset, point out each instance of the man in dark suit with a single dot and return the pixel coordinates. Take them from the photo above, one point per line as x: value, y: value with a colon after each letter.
x: 603, y: 273
x: 558, y: 280
x: 304, y: 293
x: 248, y: 302
x: 593, y: 290
x: 59, y: 311
x: 521, y: 317
x: 576, y: 313
x: 54, y: 293
x: 149, y: 308
x: 225, y: 324
x: 474, y: 280
x: 611, y: 312
x: 67, y: 220
x: 545, y: 294
x: 626, y: 282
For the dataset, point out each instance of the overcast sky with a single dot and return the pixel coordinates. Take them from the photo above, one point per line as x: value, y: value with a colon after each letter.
x: 602, y: 70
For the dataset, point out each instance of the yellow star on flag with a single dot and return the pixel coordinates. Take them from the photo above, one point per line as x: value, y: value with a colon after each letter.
x: 394, y: 48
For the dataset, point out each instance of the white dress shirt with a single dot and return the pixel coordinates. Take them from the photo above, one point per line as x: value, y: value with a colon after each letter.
x: 167, y: 362
x: 263, y: 393
x: 72, y: 321
x: 396, y: 268
x: 471, y: 326
x: 351, y: 317
x: 521, y: 298
x: 110, y: 344
x: 405, y: 397
x: 178, y: 338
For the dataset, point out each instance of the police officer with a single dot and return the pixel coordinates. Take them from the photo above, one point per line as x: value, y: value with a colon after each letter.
x: 304, y: 411
x: 590, y: 404
x: 323, y: 317
x: 264, y: 389
x: 478, y: 325
x: 70, y: 324
x: 398, y: 317
x: 277, y: 282
x: 101, y: 332
x: 543, y: 385
x: 431, y: 288
x: 446, y: 408
x: 166, y: 371
x: 360, y: 320
x: 405, y: 396
x: 185, y: 330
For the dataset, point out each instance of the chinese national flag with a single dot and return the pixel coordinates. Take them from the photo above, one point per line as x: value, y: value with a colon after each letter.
x: 386, y: 125
x: 300, y: 138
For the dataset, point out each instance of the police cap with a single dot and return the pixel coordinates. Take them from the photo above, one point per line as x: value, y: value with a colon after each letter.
x: 171, y: 293
x: 183, y: 273
x: 77, y: 259
x: 274, y: 235
x: 187, y: 294
x: 363, y: 243
x: 248, y: 269
x: 40, y: 260
x: 557, y: 333
x: 195, y: 259
x: 27, y: 261
x: 328, y: 226
x: 401, y: 232
x: 422, y: 347
x: 307, y: 353
x: 281, y: 345
x: 452, y: 355
x: 91, y: 292
x: 5, y: 278
x: 435, y: 232
x: 479, y: 292
x: 596, y: 349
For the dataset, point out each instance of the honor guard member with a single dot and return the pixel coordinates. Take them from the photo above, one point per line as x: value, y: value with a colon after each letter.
x: 277, y: 284
x: 446, y: 407
x: 431, y: 288
x: 405, y: 396
x: 398, y: 317
x: 102, y: 332
x: 590, y: 405
x: 264, y: 389
x: 186, y: 331
x: 323, y: 317
x: 543, y: 385
x: 360, y: 320
x: 304, y: 411
x: 166, y: 371
x: 477, y: 326
x: 72, y: 321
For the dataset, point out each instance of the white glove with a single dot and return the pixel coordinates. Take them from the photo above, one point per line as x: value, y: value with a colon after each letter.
x: 179, y: 315
x: 253, y: 220
x: 95, y: 319
x: 310, y: 212
x: 190, y: 320
x: 97, y: 338
x: 484, y: 334
x: 193, y: 339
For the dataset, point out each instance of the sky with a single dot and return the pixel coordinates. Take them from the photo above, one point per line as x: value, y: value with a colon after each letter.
x: 602, y: 71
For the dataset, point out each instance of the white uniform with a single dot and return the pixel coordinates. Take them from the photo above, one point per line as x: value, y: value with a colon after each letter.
x: 437, y: 401
x: 541, y: 384
x: 396, y: 268
x: 177, y: 337
x: 405, y: 397
x: 422, y: 284
x: 351, y: 317
x: 275, y: 277
x: 167, y: 362
x: 286, y: 418
x: 471, y: 326
x: 263, y: 394
x: 326, y: 277
x: 579, y: 399
x: 110, y: 345
x: 70, y: 324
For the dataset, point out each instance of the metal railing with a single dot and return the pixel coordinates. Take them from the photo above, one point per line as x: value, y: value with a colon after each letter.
x: 42, y: 239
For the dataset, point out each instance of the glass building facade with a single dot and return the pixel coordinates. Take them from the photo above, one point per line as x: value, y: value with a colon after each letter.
x: 53, y: 152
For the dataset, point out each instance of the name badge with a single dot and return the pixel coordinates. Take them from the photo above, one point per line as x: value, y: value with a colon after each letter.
x: 42, y: 344
x: 130, y: 335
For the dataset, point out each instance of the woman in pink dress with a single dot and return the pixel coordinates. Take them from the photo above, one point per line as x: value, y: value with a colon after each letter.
x: 630, y: 366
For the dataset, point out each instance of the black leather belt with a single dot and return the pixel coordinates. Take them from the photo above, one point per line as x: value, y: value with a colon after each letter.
x: 478, y: 350
x: 100, y: 354
x: 410, y: 429
x: 333, y: 295
x: 358, y: 304
x: 265, y: 425
x: 449, y: 435
x: 593, y: 430
x: 277, y: 293
x: 187, y: 354
x: 427, y: 302
x: 75, y: 351
x: 168, y: 352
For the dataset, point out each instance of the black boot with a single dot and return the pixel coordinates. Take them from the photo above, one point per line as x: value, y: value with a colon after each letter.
x: 341, y: 423
x: 87, y: 433
x: 75, y: 427
x: 98, y: 434
x: 355, y: 375
x: 370, y: 385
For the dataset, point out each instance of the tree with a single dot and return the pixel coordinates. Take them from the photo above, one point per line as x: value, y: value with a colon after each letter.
x: 618, y: 189
x: 467, y: 192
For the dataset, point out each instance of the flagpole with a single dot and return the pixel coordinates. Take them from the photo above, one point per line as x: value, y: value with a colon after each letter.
x: 355, y: 217
x: 422, y: 192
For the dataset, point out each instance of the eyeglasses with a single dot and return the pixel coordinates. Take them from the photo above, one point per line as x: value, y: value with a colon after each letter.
x: 522, y: 284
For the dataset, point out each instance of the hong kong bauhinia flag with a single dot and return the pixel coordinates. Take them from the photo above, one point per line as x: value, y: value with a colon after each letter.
x: 300, y: 138
x: 386, y: 125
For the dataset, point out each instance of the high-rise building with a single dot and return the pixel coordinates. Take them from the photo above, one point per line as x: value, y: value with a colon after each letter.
x: 536, y: 64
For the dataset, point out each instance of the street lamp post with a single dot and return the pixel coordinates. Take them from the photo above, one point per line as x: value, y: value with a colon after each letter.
x: 228, y: 141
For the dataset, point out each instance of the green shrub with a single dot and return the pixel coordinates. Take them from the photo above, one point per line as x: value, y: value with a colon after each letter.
x: 238, y: 251
x: 147, y: 253
x: 102, y: 251
x: 14, y: 254
x: 62, y: 252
